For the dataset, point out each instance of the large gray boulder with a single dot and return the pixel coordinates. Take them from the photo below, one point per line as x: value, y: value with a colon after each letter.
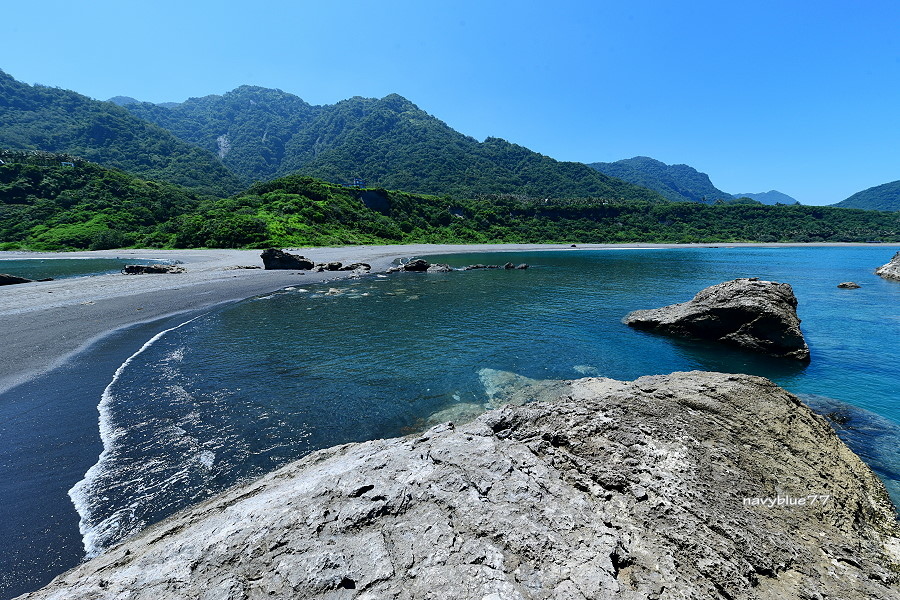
x: 279, y: 259
x: 891, y: 270
x: 684, y: 486
x: 748, y: 313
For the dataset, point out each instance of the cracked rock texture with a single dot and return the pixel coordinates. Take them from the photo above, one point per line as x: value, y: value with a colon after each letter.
x: 748, y: 313
x: 606, y: 489
x: 891, y: 270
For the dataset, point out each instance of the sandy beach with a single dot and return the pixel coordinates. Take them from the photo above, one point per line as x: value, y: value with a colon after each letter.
x: 47, y: 322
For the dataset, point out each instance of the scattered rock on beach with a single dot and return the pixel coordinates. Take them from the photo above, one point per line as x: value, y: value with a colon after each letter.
x: 13, y: 280
x: 279, y: 259
x: 891, y: 270
x: 151, y: 269
x: 678, y: 486
x: 848, y: 285
x: 748, y: 313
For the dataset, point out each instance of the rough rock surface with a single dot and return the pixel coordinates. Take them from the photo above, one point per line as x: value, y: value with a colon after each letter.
x: 748, y: 313
x: 12, y: 279
x: 848, y: 285
x: 151, y: 269
x: 891, y: 270
x: 279, y: 259
x: 611, y: 490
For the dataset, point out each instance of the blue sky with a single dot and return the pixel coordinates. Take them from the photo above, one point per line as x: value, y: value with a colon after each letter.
x: 802, y: 97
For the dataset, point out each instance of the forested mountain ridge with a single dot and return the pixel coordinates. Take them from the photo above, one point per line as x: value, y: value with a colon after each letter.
x: 880, y: 197
x: 56, y: 120
x: 678, y: 183
x: 771, y: 197
x: 387, y: 142
x: 59, y: 202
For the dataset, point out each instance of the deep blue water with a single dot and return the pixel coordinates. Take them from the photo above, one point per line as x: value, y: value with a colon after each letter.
x: 237, y: 392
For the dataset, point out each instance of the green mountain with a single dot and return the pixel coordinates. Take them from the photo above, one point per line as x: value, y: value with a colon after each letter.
x: 55, y: 120
x: 678, y: 183
x: 881, y: 197
x: 389, y: 142
x: 59, y: 202
x: 771, y: 197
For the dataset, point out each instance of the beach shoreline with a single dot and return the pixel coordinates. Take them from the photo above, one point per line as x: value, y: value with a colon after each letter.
x: 49, y: 322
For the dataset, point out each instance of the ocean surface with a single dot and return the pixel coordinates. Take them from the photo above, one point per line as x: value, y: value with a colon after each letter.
x: 191, y: 406
x: 62, y: 268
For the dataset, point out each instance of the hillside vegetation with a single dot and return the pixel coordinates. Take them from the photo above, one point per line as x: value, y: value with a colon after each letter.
x: 48, y: 206
x: 678, y: 183
x: 387, y: 142
x: 880, y: 197
x: 56, y: 120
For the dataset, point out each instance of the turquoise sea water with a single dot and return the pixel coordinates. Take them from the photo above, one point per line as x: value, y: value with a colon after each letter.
x: 61, y: 268
x: 234, y: 393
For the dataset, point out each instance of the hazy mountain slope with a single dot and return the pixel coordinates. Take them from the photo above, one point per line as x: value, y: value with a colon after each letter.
x: 771, y: 197
x: 679, y: 183
x: 881, y: 197
x: 57, y: 120
x: 247, y: 128
x: 387, y: 142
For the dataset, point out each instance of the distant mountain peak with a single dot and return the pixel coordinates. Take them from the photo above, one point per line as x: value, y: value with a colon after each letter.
x: 679, y: 183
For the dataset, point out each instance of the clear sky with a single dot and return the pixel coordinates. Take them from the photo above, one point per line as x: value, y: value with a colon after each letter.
x: 802, y: 97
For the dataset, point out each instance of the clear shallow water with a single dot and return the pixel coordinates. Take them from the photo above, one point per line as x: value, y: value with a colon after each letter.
x: 61, y: 268
x: 237, y: 392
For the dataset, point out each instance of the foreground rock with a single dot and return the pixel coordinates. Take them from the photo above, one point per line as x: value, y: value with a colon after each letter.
x: 627, y: 490
x: 890, y: 270
x: 848, y: 285
x: 748, y: 313
x: 279, y: 259
x: 151, y: 269
x: 13, y: 279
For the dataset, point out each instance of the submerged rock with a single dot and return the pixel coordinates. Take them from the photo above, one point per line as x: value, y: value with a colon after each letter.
x: 678, y: 486
x: 151, y: 269
x: 279, y: 259
x: 13, y: 279
x: 848, y: 285
x: 891, y: 270
x: 747, y: 313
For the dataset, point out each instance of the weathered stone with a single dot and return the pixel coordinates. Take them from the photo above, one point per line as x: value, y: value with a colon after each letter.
x: 279, y: 259
x: 848, y: 285
x: 13, y: 280
x: 417, y: 265
x: 522, y: 266
x: 748, y: 313
x: 440, y: 268
x: 151, y: 269
x: 356, y: 267
x: 891, y: 270
x: 657, y: 488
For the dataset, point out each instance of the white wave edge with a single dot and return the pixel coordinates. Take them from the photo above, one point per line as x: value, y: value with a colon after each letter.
x: 92, y: 536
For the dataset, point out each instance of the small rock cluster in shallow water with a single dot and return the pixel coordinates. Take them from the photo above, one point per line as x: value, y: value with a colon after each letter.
x: 279, y: 259
x: 419, y: 265
x: 682, y: 486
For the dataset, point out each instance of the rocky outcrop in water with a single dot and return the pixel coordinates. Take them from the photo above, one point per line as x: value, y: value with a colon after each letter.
x: 13, y: 279
x: 891, y: 270
x: 279, y: 259
x: 848, y: 285
x: 748, y: 313
x: 684, y: 486
x: 151, y: 269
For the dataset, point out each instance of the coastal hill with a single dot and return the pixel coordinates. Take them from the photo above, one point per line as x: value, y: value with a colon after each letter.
x: 55, y: 120
x: 679, y: 183
x: 880, y: 197
x: 695, y: 485
x: 59, y: 202
x: 391, y: 143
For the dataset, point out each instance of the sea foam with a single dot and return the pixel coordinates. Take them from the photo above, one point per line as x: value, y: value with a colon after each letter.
x: 97, y: 533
